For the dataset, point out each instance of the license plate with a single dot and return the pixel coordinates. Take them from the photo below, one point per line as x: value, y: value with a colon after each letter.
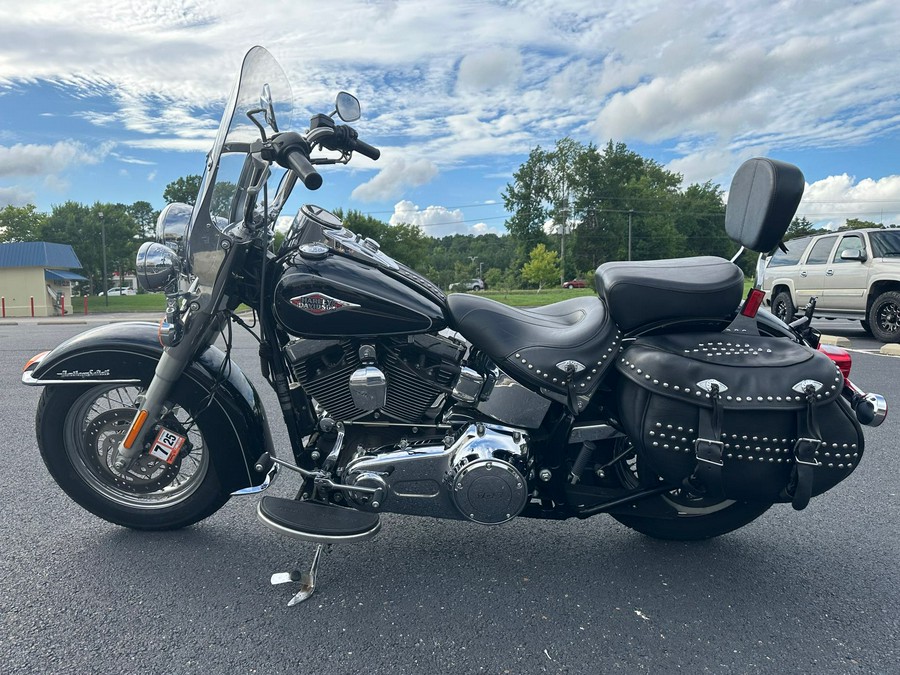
x: 167, y: 445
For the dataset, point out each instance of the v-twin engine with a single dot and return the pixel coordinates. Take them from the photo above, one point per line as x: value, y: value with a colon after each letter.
x: 479, y: 476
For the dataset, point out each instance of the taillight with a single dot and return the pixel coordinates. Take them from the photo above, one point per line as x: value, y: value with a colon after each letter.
x: 841, y: 358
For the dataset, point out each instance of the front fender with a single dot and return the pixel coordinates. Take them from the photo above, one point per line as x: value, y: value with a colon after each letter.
x: 127, y: 353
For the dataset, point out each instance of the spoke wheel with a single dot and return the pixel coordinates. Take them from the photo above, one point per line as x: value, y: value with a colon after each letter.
x: 79, y: 431
x: 98, y: 422
x: 692, y: 517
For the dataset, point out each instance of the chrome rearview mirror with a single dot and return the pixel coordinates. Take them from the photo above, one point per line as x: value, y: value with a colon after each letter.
x: 347, y: 107
x: 172, y: 224
x: 268, y: 107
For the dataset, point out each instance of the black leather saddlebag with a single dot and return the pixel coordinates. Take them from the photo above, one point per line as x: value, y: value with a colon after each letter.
x: 738, y: 417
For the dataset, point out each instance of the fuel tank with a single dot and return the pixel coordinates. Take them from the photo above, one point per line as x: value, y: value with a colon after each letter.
x: 331, y: 295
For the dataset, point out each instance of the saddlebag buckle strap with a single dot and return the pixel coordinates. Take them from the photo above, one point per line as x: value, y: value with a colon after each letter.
x: 709, y: 451
x: 804, y: 470
x: 805, y: 451
x: 707, y: 476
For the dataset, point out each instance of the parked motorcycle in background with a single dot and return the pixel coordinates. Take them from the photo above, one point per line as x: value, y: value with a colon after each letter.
x: 663, y: 401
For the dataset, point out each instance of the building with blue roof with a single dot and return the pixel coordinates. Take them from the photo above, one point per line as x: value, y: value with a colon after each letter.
x: 37, y: 272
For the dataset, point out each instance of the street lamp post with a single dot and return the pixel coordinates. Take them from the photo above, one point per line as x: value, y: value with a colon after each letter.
x: 103, y: 244
x: 630, y: 211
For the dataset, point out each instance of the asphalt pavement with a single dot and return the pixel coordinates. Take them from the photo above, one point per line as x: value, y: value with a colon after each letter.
x: 793, y: 592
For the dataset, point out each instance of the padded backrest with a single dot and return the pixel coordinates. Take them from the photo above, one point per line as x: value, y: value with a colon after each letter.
x: 762, y: 202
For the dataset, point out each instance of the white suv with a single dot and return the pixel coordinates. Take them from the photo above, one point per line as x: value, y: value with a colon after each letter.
x: 855, y: 274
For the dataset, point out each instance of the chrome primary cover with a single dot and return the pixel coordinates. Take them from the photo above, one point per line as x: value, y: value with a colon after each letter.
x: 479, y: 477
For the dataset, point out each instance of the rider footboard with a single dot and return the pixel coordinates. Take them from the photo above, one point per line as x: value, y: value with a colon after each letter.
x: 738, y: 417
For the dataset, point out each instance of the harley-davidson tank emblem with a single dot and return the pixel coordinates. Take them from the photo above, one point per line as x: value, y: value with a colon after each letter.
x: 319, y: 303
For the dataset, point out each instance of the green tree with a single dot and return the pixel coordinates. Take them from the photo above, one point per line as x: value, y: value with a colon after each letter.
x: 144, y: 216
x: 404, y: 242
x: 183, y: 190
x: 21, y: 223
x: 86, y: 229
x: 526, y: 199
x: 799, y: 227
x: 542, y: 266
x: 857, y: 224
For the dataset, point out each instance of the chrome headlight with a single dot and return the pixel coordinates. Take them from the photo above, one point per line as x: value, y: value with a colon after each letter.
x: 157, y: 266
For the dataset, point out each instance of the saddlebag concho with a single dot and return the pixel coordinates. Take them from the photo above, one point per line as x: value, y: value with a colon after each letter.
x: 738, y: 417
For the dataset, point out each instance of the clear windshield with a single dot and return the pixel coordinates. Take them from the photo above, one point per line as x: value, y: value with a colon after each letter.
x: 261, y: 86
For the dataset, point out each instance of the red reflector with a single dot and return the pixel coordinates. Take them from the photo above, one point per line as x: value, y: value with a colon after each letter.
x: 753, y: 302
x: 841, y: 358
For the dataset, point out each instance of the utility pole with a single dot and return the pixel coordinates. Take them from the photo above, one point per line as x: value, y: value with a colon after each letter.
x: 103, y: 244
x: 630, y: 211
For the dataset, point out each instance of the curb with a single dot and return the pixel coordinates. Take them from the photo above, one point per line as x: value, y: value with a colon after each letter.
x: 836, y: 340
x: 891, y: 349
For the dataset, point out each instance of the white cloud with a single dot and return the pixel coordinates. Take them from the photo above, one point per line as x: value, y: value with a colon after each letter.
x: 16, y: 196
x: 395, y: 176
x: 35, y: 160
x: 831, y: 201
x: 460, y: 84
x: 488, y: 69
x: 436, y: 221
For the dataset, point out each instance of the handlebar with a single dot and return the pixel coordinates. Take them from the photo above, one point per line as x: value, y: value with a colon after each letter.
x: 299, y: 162
x: 365, y: 149
x: 292, y: 152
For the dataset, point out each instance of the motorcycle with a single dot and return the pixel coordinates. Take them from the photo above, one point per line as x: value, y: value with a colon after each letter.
x: 664, y: 401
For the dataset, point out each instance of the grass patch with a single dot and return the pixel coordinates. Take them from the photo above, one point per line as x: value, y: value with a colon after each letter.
x: 532, y: 298
x: 144, y: 302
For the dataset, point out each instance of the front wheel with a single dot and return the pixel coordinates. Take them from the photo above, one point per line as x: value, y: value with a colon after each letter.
x: 78, y: 429
x: 688, y: 517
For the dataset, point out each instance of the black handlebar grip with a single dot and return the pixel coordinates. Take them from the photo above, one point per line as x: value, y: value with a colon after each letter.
x: 299, y: 162
x: 365, y: 149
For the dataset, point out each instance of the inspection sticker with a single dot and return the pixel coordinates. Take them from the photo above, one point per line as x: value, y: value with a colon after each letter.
x: 167, y: 445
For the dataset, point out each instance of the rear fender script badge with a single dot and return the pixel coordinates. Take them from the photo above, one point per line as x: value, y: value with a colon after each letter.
x: 319, y: 303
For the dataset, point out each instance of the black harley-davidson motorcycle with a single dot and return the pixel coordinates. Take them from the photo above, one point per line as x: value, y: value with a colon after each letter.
x: 664, y: 401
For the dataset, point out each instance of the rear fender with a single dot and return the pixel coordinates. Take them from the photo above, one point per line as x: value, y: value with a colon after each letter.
x: 127, y: 353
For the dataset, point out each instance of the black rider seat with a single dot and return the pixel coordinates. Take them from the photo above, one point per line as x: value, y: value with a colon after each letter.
x: 654, y: 291
x: 563, y: 347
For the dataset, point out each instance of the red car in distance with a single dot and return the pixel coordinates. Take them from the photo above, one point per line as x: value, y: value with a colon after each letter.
x: 575, y: 283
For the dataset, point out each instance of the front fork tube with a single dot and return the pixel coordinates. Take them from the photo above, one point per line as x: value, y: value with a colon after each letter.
x: 172, y: 364
x: 168, y: 370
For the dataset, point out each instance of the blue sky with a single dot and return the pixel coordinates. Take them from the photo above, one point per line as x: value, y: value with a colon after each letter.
x: 110, y: 101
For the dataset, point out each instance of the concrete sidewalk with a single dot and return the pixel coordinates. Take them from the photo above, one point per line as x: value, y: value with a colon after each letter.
x: 83, y: 319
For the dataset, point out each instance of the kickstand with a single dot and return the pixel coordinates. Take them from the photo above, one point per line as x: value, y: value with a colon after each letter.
x: 307, y: 579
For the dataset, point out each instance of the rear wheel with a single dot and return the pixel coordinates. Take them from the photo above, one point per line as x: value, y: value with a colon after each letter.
x: 78, y: 430
x: 884, y: 317
x: 783, y: 306
x: 865, y: 326
x: 689, y: 517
